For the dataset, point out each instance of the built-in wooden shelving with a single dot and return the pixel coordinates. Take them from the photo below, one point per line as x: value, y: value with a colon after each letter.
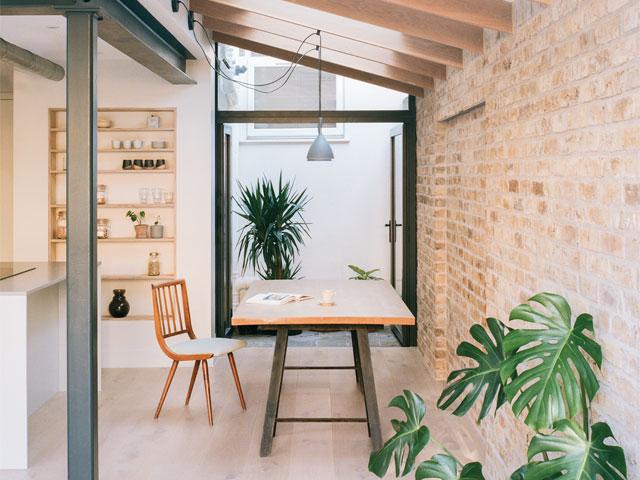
x: 120, y: 255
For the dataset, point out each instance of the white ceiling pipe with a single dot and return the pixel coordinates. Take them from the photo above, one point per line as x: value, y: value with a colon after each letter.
x: 29, y: 61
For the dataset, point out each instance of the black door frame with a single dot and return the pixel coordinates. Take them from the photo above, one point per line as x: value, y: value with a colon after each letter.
x: 407, y: 335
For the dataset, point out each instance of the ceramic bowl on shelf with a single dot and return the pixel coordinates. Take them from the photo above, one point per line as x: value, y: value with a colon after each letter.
x: 161, y: 164
x: 127, y: 164
x: 158, y: 144
x: 137, y: 164
x: 102, y: 123
x: 148, y: 164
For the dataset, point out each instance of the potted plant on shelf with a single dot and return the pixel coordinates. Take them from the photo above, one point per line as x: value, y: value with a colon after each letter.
x: 140, y: 228
x: 157, y: 229
x: 275, y: 228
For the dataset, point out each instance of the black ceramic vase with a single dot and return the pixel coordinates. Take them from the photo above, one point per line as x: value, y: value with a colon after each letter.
x: 119, y: 307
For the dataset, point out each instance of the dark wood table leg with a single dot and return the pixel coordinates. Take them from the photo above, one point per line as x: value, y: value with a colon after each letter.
x: 284, y: 361
x: 369, y: 385
x: 275, y: 385
x: 356, y: 357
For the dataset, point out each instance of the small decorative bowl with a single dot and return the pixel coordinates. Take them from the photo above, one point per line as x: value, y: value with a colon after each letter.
x: 102, y: 123
x: 127, y: 165
x: 148, y: 164
x: 161, y: 164
x: 159, y: 144
x: 137, y: 164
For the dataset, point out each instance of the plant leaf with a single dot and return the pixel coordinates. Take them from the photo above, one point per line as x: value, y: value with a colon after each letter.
x: 583, y: 459
x: 557, y: 350
x: 445, y: 467
x: 410, y: 437
x: 483, y: 377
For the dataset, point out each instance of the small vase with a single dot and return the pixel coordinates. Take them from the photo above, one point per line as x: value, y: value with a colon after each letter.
x: 119, y: 307
x: 156, y: 231
x: 141, y: 230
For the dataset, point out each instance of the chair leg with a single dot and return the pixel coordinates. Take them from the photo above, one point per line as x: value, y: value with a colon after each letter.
x: 232, y: 362
x: 207, y: 389
x: 193, y: 380
x: 172, y: 372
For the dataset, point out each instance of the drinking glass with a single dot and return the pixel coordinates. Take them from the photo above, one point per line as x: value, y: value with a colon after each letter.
x: 168, y: 197
x: 144, y: 194
x: 157, y: 195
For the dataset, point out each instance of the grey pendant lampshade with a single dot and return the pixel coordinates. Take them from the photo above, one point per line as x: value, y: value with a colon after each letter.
x: 320, y: 150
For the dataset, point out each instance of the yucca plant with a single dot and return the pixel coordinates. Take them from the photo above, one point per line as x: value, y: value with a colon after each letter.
x: 545, y: 372
x: 270, y: 240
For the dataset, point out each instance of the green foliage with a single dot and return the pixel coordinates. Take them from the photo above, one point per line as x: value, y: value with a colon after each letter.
x: 445, y: 467
x: 136, y: 217
x: 583, y: 459
x: 364, y: 275
x: 410, y: 437
x: 554, y: 384
x: 544, y: 387
x: 485, y: 374
x: 275, y: 228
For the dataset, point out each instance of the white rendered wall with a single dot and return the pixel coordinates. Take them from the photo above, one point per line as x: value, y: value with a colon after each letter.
x: 350, y: 196
x: 124, y: 83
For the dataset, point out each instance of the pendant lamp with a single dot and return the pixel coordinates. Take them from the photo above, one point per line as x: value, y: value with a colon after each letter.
x: 320, y: 150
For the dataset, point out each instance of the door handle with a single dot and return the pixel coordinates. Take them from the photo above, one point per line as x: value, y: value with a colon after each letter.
x: 392, y: 231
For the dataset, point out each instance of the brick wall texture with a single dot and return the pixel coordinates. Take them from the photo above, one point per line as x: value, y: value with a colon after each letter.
x: 537, y: 190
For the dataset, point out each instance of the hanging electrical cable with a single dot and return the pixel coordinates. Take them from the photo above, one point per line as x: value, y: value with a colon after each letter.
x: 297, y: 58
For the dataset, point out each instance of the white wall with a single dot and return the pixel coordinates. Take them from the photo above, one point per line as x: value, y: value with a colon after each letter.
x: 124, y: 83
x: 349, y: 204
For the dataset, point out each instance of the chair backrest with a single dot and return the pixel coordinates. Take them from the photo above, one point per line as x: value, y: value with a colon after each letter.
x: 171, y: 313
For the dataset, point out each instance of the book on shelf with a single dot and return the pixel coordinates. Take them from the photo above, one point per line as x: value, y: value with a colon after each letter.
x: 273, y: 298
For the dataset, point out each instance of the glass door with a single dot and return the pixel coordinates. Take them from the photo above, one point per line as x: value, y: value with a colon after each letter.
x: 396, y: 207
x: 223, y: 291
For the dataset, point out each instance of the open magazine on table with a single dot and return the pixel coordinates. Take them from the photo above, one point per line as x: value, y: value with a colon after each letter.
x: 273, y: 298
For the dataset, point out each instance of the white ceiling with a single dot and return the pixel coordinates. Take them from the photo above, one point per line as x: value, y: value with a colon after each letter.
x: 46, y: 36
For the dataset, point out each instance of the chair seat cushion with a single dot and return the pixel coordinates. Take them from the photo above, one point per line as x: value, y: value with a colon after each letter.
x: 214, y: 346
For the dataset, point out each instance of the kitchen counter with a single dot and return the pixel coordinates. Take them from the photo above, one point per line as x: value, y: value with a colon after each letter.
x: 45, y: 275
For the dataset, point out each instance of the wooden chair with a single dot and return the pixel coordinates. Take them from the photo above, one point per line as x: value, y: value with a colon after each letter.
x: 172, y: 318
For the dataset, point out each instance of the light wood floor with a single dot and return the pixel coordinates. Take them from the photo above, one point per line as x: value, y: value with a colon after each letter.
x: 181, y: 445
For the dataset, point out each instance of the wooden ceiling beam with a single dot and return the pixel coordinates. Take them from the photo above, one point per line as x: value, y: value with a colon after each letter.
x: 333, y: 57
x: 410, y: 21
x: 342, y: 27
x: 237, y: 16
x: 328, y: 66
x: 493, y: 14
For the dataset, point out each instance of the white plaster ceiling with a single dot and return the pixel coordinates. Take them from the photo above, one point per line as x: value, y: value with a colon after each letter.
x: 46, y: 35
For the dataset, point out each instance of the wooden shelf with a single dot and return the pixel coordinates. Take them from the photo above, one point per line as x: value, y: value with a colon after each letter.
x: 137, y: 277
x: 122, y: 150
x: 122, y: 129
x: 109, y: 172
x: 128, y: 318
x: 124, y: 240
x: 123, y: 205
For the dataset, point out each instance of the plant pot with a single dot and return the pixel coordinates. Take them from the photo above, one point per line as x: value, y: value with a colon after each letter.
x: 156, y: 231
x: 141, y: 230
x: 119, y: 307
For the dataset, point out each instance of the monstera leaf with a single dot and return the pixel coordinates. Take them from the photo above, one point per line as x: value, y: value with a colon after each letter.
x: 410, y: 437
x: 556, y: 349
x: 485, y: 374
x: 445, y: 467
x: 520, y: 474
x: 583, y: 459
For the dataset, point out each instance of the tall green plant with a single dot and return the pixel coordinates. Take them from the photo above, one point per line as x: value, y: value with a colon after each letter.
x: 275, y: 228
x: 545, y: 371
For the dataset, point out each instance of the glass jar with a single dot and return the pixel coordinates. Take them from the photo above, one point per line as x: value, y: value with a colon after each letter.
x: 61, y: 225
x: 102, y: 194
x: 104, y: 225
x: 154, y: 264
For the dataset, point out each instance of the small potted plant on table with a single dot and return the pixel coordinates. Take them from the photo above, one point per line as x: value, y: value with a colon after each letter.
x: 140, y: 228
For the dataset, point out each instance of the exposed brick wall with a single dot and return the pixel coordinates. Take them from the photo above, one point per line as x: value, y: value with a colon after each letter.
x: 537, y: 190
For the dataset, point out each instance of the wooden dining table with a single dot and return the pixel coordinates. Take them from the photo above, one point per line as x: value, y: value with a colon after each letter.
x: 359, y: 307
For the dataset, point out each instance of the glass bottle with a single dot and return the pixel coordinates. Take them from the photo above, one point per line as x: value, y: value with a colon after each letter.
x: 61, y: 225
x: 104, y: 226
x: 154, y: 264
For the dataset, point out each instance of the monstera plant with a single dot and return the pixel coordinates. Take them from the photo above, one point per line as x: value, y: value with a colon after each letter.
x: 544, y: 372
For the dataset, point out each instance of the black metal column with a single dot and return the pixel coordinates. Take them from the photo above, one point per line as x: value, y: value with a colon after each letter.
x: 82, y: 373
